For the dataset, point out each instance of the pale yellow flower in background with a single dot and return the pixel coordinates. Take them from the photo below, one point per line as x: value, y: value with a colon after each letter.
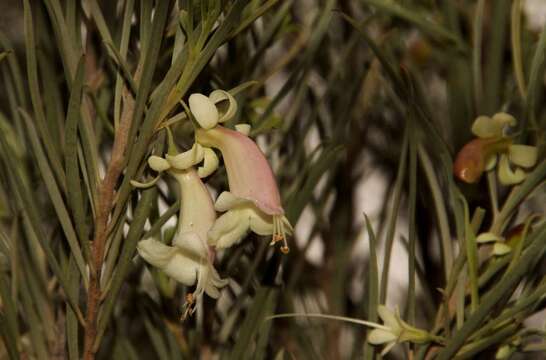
x: 492, y: 148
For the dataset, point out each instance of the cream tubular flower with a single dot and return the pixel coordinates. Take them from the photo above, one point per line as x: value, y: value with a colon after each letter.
x: 395, y: 330
x: 253, y: 201
x: 190, y: 259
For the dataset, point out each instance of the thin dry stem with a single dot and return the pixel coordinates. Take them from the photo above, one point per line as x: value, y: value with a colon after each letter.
x: 105, y: 205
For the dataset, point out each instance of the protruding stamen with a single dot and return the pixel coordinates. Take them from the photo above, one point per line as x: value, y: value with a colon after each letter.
x: 279, y: 234
x: 189, y: 307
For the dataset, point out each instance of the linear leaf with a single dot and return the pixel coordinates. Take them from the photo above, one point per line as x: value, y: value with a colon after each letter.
x: 296, y: 203
x: 129, y: 246
x: 36, y: 97
x: 261, y: 307
x: 73, y: 183
x: 71, y: 318
x: 32, y: 219
x: 55, y: 196
x: 373, y: 285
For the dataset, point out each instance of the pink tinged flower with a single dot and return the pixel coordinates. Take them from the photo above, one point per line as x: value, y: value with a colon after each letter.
x: 190, y: 259
x: 253, y: 201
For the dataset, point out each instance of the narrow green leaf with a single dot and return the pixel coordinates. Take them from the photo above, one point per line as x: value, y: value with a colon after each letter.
x: 256, y: 13
x: 440, y: 209
x: 534, y: 84
x: 56, y: 197
x: 36, y: 97
x: 300, y: 71
x: 147, y: 64
x: 471, y: 259
x: 420, y: 20
x: 53, y: 101
x: 393, y: 216
x: 9, y: 319
x: 63, y: 35
x: 494, y: 72
x: 10, y: 340
x: 129, y: 246
x: 261, y: 307
x: 123, y: 48
x: 123, y: 66
x: 477, y: 53
x: 36, y: 332
x: 32, y: 219
x: 158, y: 224
x: 73, y: 183
x: 502, y: 288
x: 15, y: 70
x: 300, y: 198
x: 71, y: 318
x: 373, y: 286
x: 157, y: 340
x: 517, y: 58
x: 412, y: 219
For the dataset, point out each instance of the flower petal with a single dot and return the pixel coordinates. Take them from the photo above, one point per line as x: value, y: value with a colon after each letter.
x: 505, y: 119
x: 249, y: 174
x: 144, y: 185
x: 204, y: 110
x: 388, y: 317
x: 491, y: 162
x: 243, y: 128
x: 210, y: 164
x: 191, y: 244
x: 388, y: 348
x: 485, y: 127
x: 213, y: 283
x: 225, y: 104
x: 183, y: 269
x: 500, y: 249
x: 523, y: 155
x: 227, y: 201
x: 260, y: 223
x: 155, y: 252
x: 196, y: 208
x: 487, y: 237
x: 470, y: 162
x: 506, y: 175
x: 381, y: 336
x: 186, y: 159
x: 158, y: 163
x: 229, y: 229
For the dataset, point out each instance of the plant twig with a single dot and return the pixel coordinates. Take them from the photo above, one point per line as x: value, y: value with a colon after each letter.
x: 105, y: 205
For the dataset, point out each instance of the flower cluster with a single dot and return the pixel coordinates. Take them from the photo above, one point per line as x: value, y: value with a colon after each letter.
x: 492, y: 148
x: 253, y: 202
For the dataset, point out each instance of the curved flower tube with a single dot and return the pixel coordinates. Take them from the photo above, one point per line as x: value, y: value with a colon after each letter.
x: 473, y: 159
x: 253, y: 201
x: 189, y: 260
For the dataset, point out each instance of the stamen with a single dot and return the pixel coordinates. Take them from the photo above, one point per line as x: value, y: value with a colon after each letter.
x: 275, y: 236
x: 279, y: 234
x: 284, y: 249
x: 189, y: 307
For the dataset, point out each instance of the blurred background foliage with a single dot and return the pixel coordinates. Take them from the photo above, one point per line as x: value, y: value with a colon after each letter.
x: 360, y: 106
